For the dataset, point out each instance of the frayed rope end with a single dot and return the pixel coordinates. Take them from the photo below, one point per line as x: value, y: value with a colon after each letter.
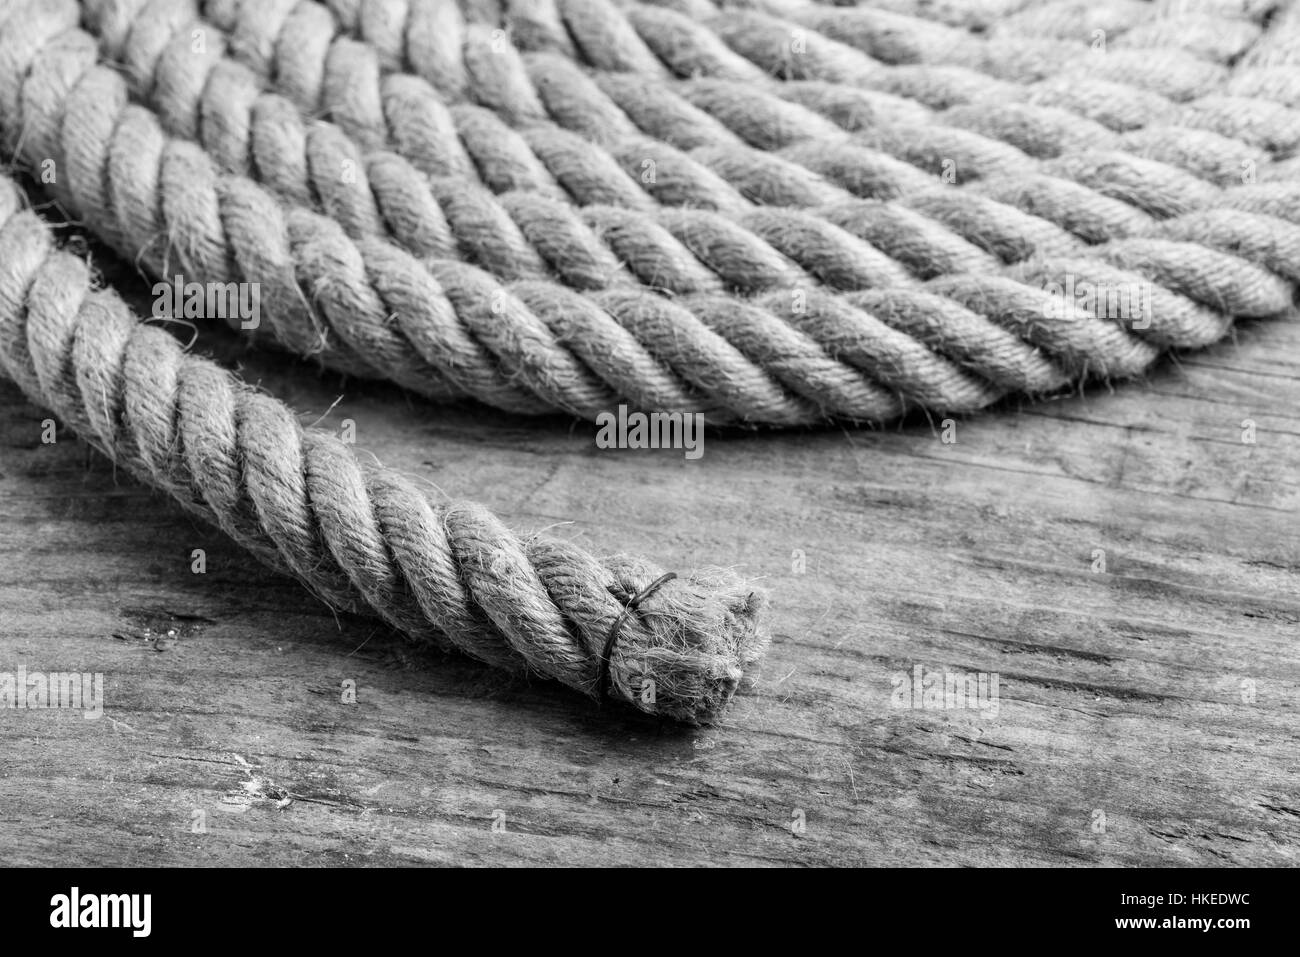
x: 685, y: 648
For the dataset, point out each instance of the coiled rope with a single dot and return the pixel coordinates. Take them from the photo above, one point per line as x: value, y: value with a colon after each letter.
x: 955, y: 343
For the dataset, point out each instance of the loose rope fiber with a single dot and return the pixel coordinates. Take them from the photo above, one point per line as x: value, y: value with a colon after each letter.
x: 361, y: 537
x: 921, y: 376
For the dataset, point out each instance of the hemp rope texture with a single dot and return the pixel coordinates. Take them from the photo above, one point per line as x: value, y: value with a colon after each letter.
x: 322, y: 185
x: 789, y: 127
x: 267, y: 23
x: 656, y: 42
x: 1166, y: 50
x: 832, y: 254
x: 1063, y: 102
x: 1093, y: 217
x: 234, y: 133
x: 1144, y: 359
x: 341, y: 72
x: 1170, y: 39
x: 1163, y: 51
x: 361, y: 537
x: 135, y: 188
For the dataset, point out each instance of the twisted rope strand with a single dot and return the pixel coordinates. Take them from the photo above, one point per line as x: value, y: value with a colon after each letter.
x: 361, y: 537
x: 1159, y: 191
x: 662, y: 248
x: 1080, y: 343
x: 903, y: 56
x: 1151, y: 68
x: 1090, y: 215
x: 501, y: 80
x: 165, y: 202
x: 1062, y: 107
x: 800, y: 135
x: 339, y: 274
x: 1216, y: 138
x: 914, y: 376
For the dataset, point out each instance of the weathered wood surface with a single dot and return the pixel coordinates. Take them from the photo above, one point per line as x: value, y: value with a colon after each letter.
x: 1124, y: 692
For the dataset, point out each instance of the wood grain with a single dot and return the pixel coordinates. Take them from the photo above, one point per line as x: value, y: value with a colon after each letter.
x: 1122, y: 692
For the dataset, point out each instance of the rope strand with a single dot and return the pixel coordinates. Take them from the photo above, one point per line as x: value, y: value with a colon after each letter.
x: 790, y: 352
x: 361, y: 537
x: 1156, y: 190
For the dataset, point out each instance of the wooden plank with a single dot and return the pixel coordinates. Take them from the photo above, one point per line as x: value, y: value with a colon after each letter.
x: 1161, y: 692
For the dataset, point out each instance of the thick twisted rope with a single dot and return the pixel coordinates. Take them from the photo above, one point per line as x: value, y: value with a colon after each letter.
x: 1092, y: 209
x: 1073, y: 111
x: 361, y: 537
x: 197, y: 212
x: 1077, y: 344
x: 439, y: 327
x: 202, y: 76
x: 531, y: 228
x: 1206, y: 85
x: 229, y: 229
x: 1072, y: 95
x: 1163, y: 45
x: 745, y: 45
x: 1098, y: 209
x: 1146, y: 62
x: 340, y: 65
x: 271, y: 41
x: 675, y: 251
